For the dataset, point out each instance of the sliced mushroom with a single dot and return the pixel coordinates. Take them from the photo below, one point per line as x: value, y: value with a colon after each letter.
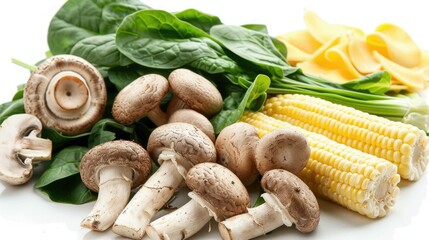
x: 112, y: 169
x: 20, y: 147
x: 284, y: 149
x: 288, y: 200
x: 140, y: 98
x: 191, y: 90
x: 235, y: 146
x: 177, y: 146
x: 216, y: 191
x: 195, y: 118
x: 66, y: 93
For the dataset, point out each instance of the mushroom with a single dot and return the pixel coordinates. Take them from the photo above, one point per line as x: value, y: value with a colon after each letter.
x: 191, y: 90
x: 282, y: 148
x: 66, y: 93
x: 177, y: 146
x: 112, y: 169
x: 140, y: 98
x: 216, y: 191
x: 195, y: 118
x: 235, y: 146
x: 20, y: 147
x: 288, y: 200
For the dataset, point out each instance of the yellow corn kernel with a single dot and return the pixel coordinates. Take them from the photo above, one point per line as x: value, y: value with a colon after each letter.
x: 402, y: 144
x: 358, y: 181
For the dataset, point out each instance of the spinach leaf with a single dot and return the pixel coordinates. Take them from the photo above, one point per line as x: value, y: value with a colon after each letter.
x: 375, y: 83
x: 78, y: 20
x: 61, y: 180
x: 253, y: 99
x: 280, y: 46
x: 253, y: 46
x: 199, y: 19
x: 60, y: 141
x: 10, y: 108
x: 106, y: 130
x: 158, y: 39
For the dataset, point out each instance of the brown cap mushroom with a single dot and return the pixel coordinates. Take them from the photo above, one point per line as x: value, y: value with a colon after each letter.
x: 66, y: 93
x: 140, y: 98
x: 20, y: 147
x: 112, y: 169
x: 191, y: 90
x: 195, y: 118
x: 282, y: 148
x: 288, y: 200
x: 235, y: 146
x: 216, y: 191
x: 177, y: 147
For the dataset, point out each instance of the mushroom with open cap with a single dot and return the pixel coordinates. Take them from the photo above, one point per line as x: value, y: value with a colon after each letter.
x: 191, y: 90
x: 216, y: 192
x: 195, y: 118
x: 142, y: 97
x: 288, y: 200
x: 20, y: 147
x: 66, y: 93
x: 235, y: 146
x: 178, y: 147
x: 112, y: 169
x: 282, y: 148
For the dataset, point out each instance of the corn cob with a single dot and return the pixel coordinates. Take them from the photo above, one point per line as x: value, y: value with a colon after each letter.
x: 402, y: 144
x: 358, y: 181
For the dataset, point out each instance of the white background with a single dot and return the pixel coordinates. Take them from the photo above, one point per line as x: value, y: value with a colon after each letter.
x: 26, y: 214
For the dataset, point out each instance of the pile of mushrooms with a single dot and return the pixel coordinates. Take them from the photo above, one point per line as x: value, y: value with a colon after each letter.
x: 68, y: 94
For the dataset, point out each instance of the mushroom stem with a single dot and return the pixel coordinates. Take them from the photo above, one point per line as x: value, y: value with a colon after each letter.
x: 153, y: 195
x: 157, y: 116
x: 180, y: 224
x: 114, y: 192
x: 257, y: 221
x: 35, y: 148
x: 175, y: 104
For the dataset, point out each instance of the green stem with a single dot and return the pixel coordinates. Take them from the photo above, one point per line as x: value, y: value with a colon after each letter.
x: 32, y: 68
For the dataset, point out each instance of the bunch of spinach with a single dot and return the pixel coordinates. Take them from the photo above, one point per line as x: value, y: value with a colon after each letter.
x: 126, y: 39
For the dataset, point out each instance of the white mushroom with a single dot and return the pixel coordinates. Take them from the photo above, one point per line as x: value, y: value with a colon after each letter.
x: 66, y: 93
x: 216, y: 192
x: 191, y: 90
x: 288, y: 200
x: 195, y: 118
x: 140, y: 98
x: 177, y: 146
x: 112, y: 169
x: 20, y: 147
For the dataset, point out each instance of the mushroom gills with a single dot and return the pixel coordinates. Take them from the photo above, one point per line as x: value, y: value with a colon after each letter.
x: 32, y: 148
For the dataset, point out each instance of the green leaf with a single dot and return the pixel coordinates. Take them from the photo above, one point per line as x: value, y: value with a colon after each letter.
x: 375, y: 83
x: 106, y: 130
x: 280, y: 46
x: 253, y: 99
x: 158, y: 39
x: 11, y: 108
x: 199, y: 19
x: 59, y: 140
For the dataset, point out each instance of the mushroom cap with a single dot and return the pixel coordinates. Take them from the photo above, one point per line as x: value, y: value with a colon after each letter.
x: 59, y: 105
x: 295, y: 196
x: 186, y: 140
x: 115, y: 153
x: 19, y: 146
x: 235, y: 146
x: 195, y: 118
x: 139, y: 98
x: 220, y: 187
x: 282, y: 148
x: 196, y: 91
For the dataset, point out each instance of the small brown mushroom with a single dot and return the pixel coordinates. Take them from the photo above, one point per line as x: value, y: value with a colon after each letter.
x: 177, y: 146
x: 216, y: 191
x: 235, y: 146
x: 66, y: 93
x: 284, y: 149
x: 288, y: 200
x: 195, y: 118
x: 20, y: 147
x: 191, y: 90
x: 140, y: 98
x: 112, y: 169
